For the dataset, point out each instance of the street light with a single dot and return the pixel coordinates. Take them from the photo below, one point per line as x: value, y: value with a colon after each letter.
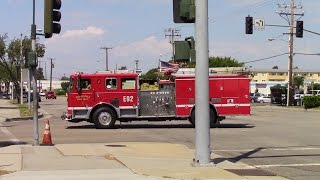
x: 21, y: 77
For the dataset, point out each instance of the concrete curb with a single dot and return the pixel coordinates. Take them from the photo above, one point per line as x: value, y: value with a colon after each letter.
x: 23, y: 118
x: 9, y: 108
x: 286, y: 108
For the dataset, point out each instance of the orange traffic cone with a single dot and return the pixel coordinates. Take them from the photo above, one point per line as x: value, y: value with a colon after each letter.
x: 47, y: 135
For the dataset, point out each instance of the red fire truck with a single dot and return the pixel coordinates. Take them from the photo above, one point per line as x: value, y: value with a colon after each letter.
x: 103, y: 98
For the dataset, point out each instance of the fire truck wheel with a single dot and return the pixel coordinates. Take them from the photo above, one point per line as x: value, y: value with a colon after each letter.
x: 104, y: 118
x: 213, y: 118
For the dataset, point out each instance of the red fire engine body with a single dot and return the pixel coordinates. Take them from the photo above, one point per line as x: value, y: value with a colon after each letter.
x: 104, y: 98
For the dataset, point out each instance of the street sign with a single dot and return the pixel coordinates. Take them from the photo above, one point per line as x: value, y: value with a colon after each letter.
x: 259, y: 24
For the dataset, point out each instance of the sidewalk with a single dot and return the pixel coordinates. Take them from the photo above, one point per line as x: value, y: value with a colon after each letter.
x: 8, y: 110
x: 117, y: 161
x: 11, y: 112
x: 122, y: 161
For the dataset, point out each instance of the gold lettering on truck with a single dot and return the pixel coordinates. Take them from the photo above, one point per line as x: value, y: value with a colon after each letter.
x: 83, y: 98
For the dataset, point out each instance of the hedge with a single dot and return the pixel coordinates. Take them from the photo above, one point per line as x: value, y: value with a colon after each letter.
x: 60, y: 92
x: 311, y: 101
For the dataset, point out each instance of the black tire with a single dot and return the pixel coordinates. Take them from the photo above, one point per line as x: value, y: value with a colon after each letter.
x: 104, y: 118
x: 213, y: 118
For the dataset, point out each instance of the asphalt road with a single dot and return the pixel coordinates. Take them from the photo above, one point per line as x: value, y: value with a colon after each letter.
x: 282, y: 141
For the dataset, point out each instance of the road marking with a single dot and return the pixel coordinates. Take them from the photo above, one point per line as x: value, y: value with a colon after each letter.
x: 11, y: 137
x: 286, y: 165
x: 270, y: 149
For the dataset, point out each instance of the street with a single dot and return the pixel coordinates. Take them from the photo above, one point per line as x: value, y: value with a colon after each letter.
x: 279, y: 140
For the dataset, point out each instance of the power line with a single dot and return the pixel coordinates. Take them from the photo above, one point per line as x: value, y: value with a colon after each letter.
x: 265, y: 58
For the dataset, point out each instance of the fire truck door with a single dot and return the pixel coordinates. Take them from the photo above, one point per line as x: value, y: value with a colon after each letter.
x: 128, y: 97
x: 86, y: 95
x: 230, y: 96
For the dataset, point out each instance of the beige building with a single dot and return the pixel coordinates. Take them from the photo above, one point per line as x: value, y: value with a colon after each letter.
x: 263, y: 75
x: 263, y: 79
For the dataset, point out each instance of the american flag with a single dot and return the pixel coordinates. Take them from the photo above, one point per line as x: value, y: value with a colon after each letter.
x: 168, y: 67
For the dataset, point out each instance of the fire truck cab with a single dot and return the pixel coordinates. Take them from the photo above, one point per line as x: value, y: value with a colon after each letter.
x: 103, y: 98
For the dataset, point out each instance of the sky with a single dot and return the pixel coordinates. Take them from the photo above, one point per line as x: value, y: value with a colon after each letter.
x: 136, y: 31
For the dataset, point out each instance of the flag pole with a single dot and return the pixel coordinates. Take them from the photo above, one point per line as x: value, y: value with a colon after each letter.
x: 160, y: 62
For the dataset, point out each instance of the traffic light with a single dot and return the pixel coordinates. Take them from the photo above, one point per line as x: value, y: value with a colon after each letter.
x: 184, y: 11
x: 299, y: 29
x: 52, y: 17
x: 32, y: 60
x: 249, y: 25
x: 185, y: 50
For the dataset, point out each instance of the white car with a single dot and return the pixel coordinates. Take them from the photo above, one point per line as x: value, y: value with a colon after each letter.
x: 42, y: 93
x: 264, y: 99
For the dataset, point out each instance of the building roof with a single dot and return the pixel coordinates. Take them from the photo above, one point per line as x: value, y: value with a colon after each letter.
x: 284, y: 70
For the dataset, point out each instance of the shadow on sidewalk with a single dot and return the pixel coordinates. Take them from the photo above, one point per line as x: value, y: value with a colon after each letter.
x: 10, y: 143
x: 161, y: 126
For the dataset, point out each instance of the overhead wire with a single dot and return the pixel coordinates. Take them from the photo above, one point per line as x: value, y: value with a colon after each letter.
x: 270, y: 57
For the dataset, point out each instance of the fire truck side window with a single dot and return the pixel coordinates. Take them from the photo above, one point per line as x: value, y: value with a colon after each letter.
x: 111, y: 83
x: 128, y: 83
x: 85, y: 84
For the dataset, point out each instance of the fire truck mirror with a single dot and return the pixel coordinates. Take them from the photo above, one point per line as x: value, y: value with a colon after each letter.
x: 78, y: 85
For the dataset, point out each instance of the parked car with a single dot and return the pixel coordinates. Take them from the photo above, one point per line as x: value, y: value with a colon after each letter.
x: 6, y: 96
x: 25, y: 97
x: 264, y: 99
x: 42, y: 93
x: 254, y: 97
x: 51, y: 95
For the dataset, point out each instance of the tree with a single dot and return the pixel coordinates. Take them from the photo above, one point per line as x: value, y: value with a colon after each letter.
x: 224, y: 62
x: 65, y: 86
x: 298, y: 82
x: 217, y: 62
x: 64, y: 78
x: 315, y: 86
x: 40, y: 75
x: 152, y: 74
x: 11, y: 59
x: 275, y: 67
x: 279, y: 87
x: 123, y: 68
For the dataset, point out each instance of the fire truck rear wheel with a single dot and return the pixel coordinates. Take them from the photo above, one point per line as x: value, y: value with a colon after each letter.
x: 104, y: 118
x: 213, y: 118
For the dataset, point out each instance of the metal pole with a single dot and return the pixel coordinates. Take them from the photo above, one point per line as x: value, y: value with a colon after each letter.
x: 50, y: 74
x: 107, y: 68
x: 137, y: 62
x: 107, y: 59
x: 290, y: 63
x: 29, y: 90
x: 45, y: 69
x: 21, y: 81
x: 34, y: 81
x: 202, y: 121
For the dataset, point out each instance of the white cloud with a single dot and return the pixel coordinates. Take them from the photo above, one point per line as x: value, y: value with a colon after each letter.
x: 89, y: 31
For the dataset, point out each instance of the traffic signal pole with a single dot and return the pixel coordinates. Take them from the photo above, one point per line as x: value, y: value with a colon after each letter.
x: 34, y: 83
x: 290, y: 63
x: 202, y: 121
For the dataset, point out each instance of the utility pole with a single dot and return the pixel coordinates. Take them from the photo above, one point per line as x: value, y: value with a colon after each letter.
x: 202, y: 121
x: 106, y: 48
x: 34, y: 80
x: 285, y: 13
x: 51, y: 67
x: 21, y: 77
x: 172, y: 33
x: 137, y: 63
